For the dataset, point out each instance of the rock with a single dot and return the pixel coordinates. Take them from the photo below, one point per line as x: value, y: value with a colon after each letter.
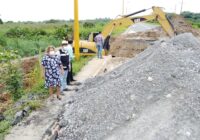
x: 132, y: 97
x: 77, y: 83
x: 150, y: 79
x: 27, y: 109
x: 18, y: 117
x: 168, y: 95
x: 70, y: 102
x: 63, y: 123
x: 48, y: 132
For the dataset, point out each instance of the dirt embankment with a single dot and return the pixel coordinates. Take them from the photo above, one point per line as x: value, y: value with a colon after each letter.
x: 129, y: 45
x: 182, y: 26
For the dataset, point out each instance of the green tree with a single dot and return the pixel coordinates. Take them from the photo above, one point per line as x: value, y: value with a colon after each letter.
x: 1, y: 21
x: 88, y: 25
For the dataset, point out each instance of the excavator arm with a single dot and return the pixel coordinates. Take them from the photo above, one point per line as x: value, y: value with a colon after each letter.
x: 128, y: 20
x: 89, y: 47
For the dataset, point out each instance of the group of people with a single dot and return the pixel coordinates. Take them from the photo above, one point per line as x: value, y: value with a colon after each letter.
x: 57, y: 68
x: 57, y: 65
x: 102, y: 44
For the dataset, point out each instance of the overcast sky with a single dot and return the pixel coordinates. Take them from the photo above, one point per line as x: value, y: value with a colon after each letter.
x: 39, y: 10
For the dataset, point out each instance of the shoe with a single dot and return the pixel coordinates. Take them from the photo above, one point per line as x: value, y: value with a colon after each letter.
x: 73, y: 80
x: 58, y: 97
x: 66, y: 89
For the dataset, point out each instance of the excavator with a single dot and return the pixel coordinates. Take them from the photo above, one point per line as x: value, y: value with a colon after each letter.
x: 88, y: 47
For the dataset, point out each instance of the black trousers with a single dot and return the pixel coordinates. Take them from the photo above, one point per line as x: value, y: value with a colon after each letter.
x: 70, y: 75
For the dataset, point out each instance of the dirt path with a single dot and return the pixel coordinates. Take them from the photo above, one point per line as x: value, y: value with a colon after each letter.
x: 36, y: 125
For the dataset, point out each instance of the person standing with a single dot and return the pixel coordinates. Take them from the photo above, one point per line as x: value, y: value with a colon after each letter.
x: 71, y: 58
x: 64, y: 57
x: 99, y: 44
x: 106, y: 45
x: 52, y: 68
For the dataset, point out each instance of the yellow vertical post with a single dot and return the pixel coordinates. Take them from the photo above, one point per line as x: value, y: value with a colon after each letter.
x: 76, y: 30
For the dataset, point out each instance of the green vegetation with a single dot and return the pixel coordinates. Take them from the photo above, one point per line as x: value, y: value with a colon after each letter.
x: 31, y: 96
x: 193, y: 18
x: 4, y: 127
x: 22, y: 83
x: 1, y: 22
x: 12, y: 75
x: 29, y: 37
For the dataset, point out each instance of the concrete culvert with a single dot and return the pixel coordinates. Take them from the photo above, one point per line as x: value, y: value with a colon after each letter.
x: 154, y: 96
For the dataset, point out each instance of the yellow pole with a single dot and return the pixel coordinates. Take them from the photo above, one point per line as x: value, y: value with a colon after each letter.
x: 76, y: 30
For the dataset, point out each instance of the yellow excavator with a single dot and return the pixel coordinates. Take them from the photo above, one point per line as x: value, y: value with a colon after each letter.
x: 89, y: 47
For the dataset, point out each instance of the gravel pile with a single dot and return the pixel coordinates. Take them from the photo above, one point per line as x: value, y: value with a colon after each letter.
x: 154, y: 96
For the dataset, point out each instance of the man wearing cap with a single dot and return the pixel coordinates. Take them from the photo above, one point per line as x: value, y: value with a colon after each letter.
x: 64, y: 56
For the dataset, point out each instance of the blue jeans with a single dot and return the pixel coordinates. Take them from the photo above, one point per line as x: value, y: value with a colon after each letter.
x: 99, y: 49
x: 63, y: 79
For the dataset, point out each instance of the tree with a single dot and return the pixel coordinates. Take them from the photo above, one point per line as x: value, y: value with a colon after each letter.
x: 88, y: 25
x: 1, y: 21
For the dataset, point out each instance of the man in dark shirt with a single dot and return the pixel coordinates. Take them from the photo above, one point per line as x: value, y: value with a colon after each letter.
x: 64, y: 56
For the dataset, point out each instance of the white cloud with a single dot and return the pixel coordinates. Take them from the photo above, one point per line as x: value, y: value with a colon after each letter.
x: 37, y: 10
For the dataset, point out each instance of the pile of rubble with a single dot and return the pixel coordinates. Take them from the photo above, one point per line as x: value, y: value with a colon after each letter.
x: 155, y: 95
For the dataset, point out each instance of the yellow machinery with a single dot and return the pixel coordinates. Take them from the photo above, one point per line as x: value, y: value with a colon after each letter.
x: 89, y: 47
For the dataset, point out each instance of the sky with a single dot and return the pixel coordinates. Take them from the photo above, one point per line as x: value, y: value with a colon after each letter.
x: 39, y: 10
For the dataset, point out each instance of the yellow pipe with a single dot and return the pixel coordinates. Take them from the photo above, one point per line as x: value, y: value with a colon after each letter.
x: 76, y: 30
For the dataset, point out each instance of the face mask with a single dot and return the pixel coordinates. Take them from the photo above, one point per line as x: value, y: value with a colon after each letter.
x: 52, y: 53
x: 65, y: 47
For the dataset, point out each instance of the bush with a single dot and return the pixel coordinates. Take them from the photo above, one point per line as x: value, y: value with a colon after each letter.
x: 60, y: 33
x: 11, y: 73
x: 4, y: 125
x: 88, y: 25
x: 14, y: 81
x: 1, y: 22
x: 27, y: 33
x: 3, y: 41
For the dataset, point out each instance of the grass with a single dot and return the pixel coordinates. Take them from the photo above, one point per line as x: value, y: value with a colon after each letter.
x: 37, y: 89
x: 28, y: 44
x: 4, y: 128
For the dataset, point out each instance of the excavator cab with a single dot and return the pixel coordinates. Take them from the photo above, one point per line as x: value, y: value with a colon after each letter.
x: 92, y: 36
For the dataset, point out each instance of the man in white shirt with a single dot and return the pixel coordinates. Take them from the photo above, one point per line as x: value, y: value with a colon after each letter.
x: 99, y: 44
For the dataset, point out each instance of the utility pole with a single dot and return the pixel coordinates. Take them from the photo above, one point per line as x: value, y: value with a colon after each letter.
x: 76, y: 31
x: 181, y: 7
x: 122, y: 7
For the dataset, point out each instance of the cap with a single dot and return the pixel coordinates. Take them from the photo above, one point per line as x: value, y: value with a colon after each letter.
x: 64, y: 42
